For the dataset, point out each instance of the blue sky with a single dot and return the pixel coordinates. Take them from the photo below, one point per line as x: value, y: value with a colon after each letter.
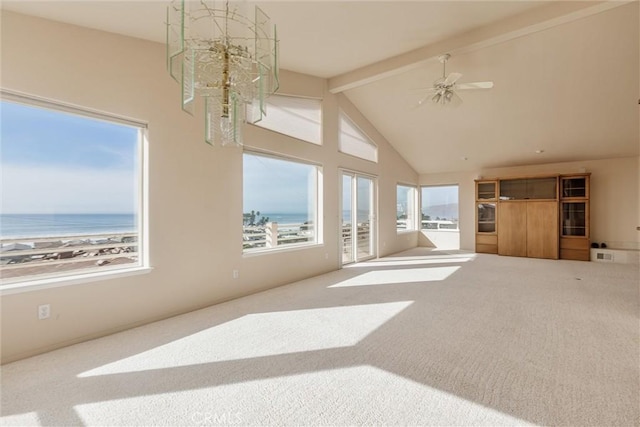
x: 54, y: 162
x: 444, y: 198
x: 439, y: 195
x: 276, y: 186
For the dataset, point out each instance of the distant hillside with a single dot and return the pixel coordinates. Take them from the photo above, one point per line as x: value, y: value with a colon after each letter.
x: 448, y: 211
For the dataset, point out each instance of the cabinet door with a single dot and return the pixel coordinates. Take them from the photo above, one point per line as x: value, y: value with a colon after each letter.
x: 574, y: 219
x: 486, y: 190
x: 575, y: 187
x: 486, y: 217
x: 542, y: 230
x: 512, y: 226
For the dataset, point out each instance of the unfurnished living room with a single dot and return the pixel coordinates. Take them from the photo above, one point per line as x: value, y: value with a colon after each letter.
x: 320, y: 213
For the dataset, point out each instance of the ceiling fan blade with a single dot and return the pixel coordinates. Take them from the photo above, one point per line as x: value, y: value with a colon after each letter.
x: 455, y: 101
x: 451, y: 79
x: 438, y: 81
x: 424, y: 89
x: 474, y: 85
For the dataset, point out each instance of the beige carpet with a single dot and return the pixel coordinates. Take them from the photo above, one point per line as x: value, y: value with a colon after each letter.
x: 448, y: 339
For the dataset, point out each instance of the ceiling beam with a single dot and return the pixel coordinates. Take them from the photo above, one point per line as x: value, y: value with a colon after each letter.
x: 538, y: 19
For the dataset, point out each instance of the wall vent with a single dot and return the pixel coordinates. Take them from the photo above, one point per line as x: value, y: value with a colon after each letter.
x: 602, y: 256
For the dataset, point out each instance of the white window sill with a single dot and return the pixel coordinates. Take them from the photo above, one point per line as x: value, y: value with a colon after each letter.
x: 406, y: 231
x: 76, y: 279
x: 281, y: 249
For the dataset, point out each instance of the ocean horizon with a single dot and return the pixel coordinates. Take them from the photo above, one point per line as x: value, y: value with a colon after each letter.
x: 53, y: 225
x: 60, y: 225
x: 285, y: 217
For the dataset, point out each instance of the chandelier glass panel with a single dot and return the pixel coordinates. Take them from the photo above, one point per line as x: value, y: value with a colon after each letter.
x: 215, y: 51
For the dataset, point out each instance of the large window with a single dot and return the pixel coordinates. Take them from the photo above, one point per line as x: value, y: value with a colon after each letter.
x: 294, y: 116
x: 351, y: 140
x: 440, y: 207
x: 280, y: 203
x: 71, y: 192
x: 406, y: 207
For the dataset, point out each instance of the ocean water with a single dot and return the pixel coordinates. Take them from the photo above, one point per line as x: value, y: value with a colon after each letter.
x: 285, y: 218
x: 45, y: 225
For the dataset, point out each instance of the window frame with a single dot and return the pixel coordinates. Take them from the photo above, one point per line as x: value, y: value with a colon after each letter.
x: 317, y: 199
x: 412, y: 221
x: 91, y: 274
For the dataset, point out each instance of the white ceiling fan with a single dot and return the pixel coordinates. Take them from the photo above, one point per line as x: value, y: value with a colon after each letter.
x: 444, y: 89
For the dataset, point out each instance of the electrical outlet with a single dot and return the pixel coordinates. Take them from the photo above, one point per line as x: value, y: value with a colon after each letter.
x: 44, y: 311
x: 236, y: 274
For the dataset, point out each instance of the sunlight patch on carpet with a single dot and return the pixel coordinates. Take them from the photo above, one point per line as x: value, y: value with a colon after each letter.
x: 25, y: 419
x: 263, y: 334
x: 400, y: 263
x: 391, y: 277
x: 431, y: 257
x: 352, y: 395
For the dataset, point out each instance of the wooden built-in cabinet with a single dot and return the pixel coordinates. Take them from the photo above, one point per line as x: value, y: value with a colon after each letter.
x: 486, y: 219
x: 538, y: 217
x: 529, y: 229
x: 575, y: 240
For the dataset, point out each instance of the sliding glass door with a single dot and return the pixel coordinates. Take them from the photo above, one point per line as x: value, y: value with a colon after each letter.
x: 346, y: 239
x: 358, y: 232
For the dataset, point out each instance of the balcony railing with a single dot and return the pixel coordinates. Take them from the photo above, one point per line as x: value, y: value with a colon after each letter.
x: 30, y: 256
x: 439, y: 225
x: 273, y: 234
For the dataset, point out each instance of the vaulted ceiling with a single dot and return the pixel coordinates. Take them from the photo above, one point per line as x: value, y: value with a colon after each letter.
x: 566, y: 74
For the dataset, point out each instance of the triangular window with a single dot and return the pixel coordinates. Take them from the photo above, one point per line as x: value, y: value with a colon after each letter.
x: 354, y: 142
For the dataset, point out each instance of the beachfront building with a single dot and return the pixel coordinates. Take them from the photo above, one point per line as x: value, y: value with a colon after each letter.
x: 353, y: 163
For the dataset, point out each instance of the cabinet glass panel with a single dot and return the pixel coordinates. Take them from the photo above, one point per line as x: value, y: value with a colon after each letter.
x: 486, y: 217
x: 524, y: 189
x: 486, y: 191
x: 542, y: 188
x: 574, y: 219
x: 574, y: 187
x: 513, y: 189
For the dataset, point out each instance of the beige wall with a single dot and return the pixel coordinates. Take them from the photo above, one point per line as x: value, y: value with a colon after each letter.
x: 615, y: 200
x: 195, y: 194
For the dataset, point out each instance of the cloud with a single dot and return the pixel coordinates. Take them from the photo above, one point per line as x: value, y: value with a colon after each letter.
x: 31, y: 189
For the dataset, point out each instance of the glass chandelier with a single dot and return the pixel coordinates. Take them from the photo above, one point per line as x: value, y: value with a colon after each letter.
x: 215, y: 51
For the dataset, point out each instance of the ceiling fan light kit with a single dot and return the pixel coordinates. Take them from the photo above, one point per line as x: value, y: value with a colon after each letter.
x: 444, y: 89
